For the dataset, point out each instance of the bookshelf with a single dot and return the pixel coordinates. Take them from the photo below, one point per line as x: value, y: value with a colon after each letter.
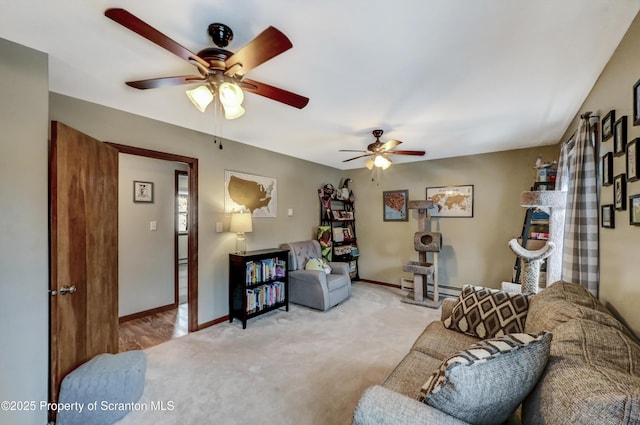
x: 258, y: 283
x: 340, y: 221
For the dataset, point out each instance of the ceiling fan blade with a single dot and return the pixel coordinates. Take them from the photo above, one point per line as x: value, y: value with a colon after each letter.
x: 268, y: 44
x: 390, y: 145
x: 356, y: 157
x: 274, y: 93
x: 415, y: 153
x: 145, y: 30
x: 155, y: 83
x: 354, y: 150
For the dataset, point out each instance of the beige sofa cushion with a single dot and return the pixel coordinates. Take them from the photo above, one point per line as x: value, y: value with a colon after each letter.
x: 439, y: 342
x: 409, y: 375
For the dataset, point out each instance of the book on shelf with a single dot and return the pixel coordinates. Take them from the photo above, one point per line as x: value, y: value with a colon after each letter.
x: 265, y: 296
x: 264, y: 270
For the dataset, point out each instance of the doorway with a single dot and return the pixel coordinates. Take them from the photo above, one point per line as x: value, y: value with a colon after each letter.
x: 192, y: 223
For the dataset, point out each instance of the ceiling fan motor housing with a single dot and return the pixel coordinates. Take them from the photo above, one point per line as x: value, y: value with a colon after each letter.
x: 220, y: 34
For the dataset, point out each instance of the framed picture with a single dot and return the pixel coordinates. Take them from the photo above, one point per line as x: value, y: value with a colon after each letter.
x: 607, y: 169
x: 632, y: 160
x: 634, y: 210
x: 394, y: 205
x: 636, y: 103
x: 620, y: 136
x: 142, y: 191
x: 257, y: 194
x: 620, y: 192
x: 452, y: 201
x: 608, y: 216
x: 607, y: 125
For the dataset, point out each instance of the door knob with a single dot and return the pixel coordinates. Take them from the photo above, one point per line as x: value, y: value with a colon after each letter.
x: 67, y: 290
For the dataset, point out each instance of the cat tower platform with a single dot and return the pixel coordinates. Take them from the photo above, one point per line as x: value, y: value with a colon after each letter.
x: 423, y: 242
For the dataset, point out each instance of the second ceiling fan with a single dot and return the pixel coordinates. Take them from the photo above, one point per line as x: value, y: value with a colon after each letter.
x: 378, y: 152
x: 221, y: 71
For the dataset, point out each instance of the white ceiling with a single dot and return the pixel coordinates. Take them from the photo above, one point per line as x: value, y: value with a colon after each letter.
x: 452, y: 77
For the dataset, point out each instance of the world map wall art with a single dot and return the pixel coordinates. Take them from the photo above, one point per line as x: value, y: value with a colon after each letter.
x: 244, y: 192
x: 452, y: 201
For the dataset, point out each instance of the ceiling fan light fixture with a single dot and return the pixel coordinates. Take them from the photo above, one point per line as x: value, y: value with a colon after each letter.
x: 233, y: 112
x: 201, y: 97
x: 381, y: 162
x: 369, y: 164
x: 231, y: 94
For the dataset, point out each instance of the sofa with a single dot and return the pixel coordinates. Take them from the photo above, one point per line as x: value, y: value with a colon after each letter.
x: 319, y: 289
x: 591, y: 374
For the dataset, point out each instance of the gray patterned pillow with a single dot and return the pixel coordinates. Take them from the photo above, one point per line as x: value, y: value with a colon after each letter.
x: 485, y: 383
x: 487, y: 313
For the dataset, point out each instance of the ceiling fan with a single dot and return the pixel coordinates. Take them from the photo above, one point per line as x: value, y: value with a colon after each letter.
x: 221, y: 72
x: 379, y: 152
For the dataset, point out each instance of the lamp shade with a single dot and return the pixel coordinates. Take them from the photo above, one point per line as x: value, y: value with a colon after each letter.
x: 382, y: 162
x: 241, y: 223
x: 201, y: 97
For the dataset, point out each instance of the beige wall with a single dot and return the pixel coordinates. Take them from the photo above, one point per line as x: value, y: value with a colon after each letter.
x: 146, y: 262
x: 24, y: 274
x: 619, y: 267
x: 298, y: 182
x: 475, y: 249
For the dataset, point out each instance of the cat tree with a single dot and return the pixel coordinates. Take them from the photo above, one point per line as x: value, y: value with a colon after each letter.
x: 424, y: 242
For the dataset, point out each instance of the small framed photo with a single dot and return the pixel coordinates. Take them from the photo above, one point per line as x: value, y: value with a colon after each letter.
x: 607, y: 216
x: 620, y: 192
x: 607, y: 169
x: 394, y: 205
x: 634, y: 210
x: 607, y: 125
x: 636, y: 103
x: 142, y: 192
x: 620, y: 136
x: 632, y: 160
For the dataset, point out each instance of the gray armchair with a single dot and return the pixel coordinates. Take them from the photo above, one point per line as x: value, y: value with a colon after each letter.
x: 315, y: 288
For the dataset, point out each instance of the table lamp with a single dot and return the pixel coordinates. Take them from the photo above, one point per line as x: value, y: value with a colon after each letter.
x: 241, y: 224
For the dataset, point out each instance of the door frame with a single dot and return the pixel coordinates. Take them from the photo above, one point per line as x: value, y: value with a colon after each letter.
x: 176, y: 238
x: 192, y: 221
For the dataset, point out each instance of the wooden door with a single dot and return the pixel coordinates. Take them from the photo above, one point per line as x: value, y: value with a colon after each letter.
x: 84, y: 251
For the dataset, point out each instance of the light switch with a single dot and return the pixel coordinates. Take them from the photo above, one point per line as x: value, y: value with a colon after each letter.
x: 153, y: 226
x: 218, y: 227
x: 290, y: 212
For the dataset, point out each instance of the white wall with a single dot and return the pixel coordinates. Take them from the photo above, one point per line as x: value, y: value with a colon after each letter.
x: 145, y: 257
x: 619, y: 267
x: 24, y: 278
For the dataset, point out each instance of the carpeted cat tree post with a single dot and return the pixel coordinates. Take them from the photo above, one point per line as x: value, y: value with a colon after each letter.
x: 424, y: 242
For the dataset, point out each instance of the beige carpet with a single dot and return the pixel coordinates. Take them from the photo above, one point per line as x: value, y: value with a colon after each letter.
x: 298, y: 367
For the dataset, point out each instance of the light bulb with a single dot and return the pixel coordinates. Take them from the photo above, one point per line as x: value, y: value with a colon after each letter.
x: 201, y: 97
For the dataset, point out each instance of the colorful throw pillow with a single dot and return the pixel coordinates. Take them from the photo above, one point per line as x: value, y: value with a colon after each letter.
x: 485, y: 383
x: 486, y: 313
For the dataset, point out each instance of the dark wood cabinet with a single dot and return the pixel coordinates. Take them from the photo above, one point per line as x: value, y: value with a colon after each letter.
x: 258, y: 283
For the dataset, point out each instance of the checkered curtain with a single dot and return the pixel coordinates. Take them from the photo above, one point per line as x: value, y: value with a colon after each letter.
x: 577, y: 175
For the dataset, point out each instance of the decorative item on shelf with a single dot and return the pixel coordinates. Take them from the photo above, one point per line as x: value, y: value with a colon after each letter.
x: 326, y: 244
x: 240, y: 224
x: 326, y: 194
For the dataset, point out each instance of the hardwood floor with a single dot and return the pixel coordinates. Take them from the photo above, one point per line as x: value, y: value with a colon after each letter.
x: 155, y: 329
